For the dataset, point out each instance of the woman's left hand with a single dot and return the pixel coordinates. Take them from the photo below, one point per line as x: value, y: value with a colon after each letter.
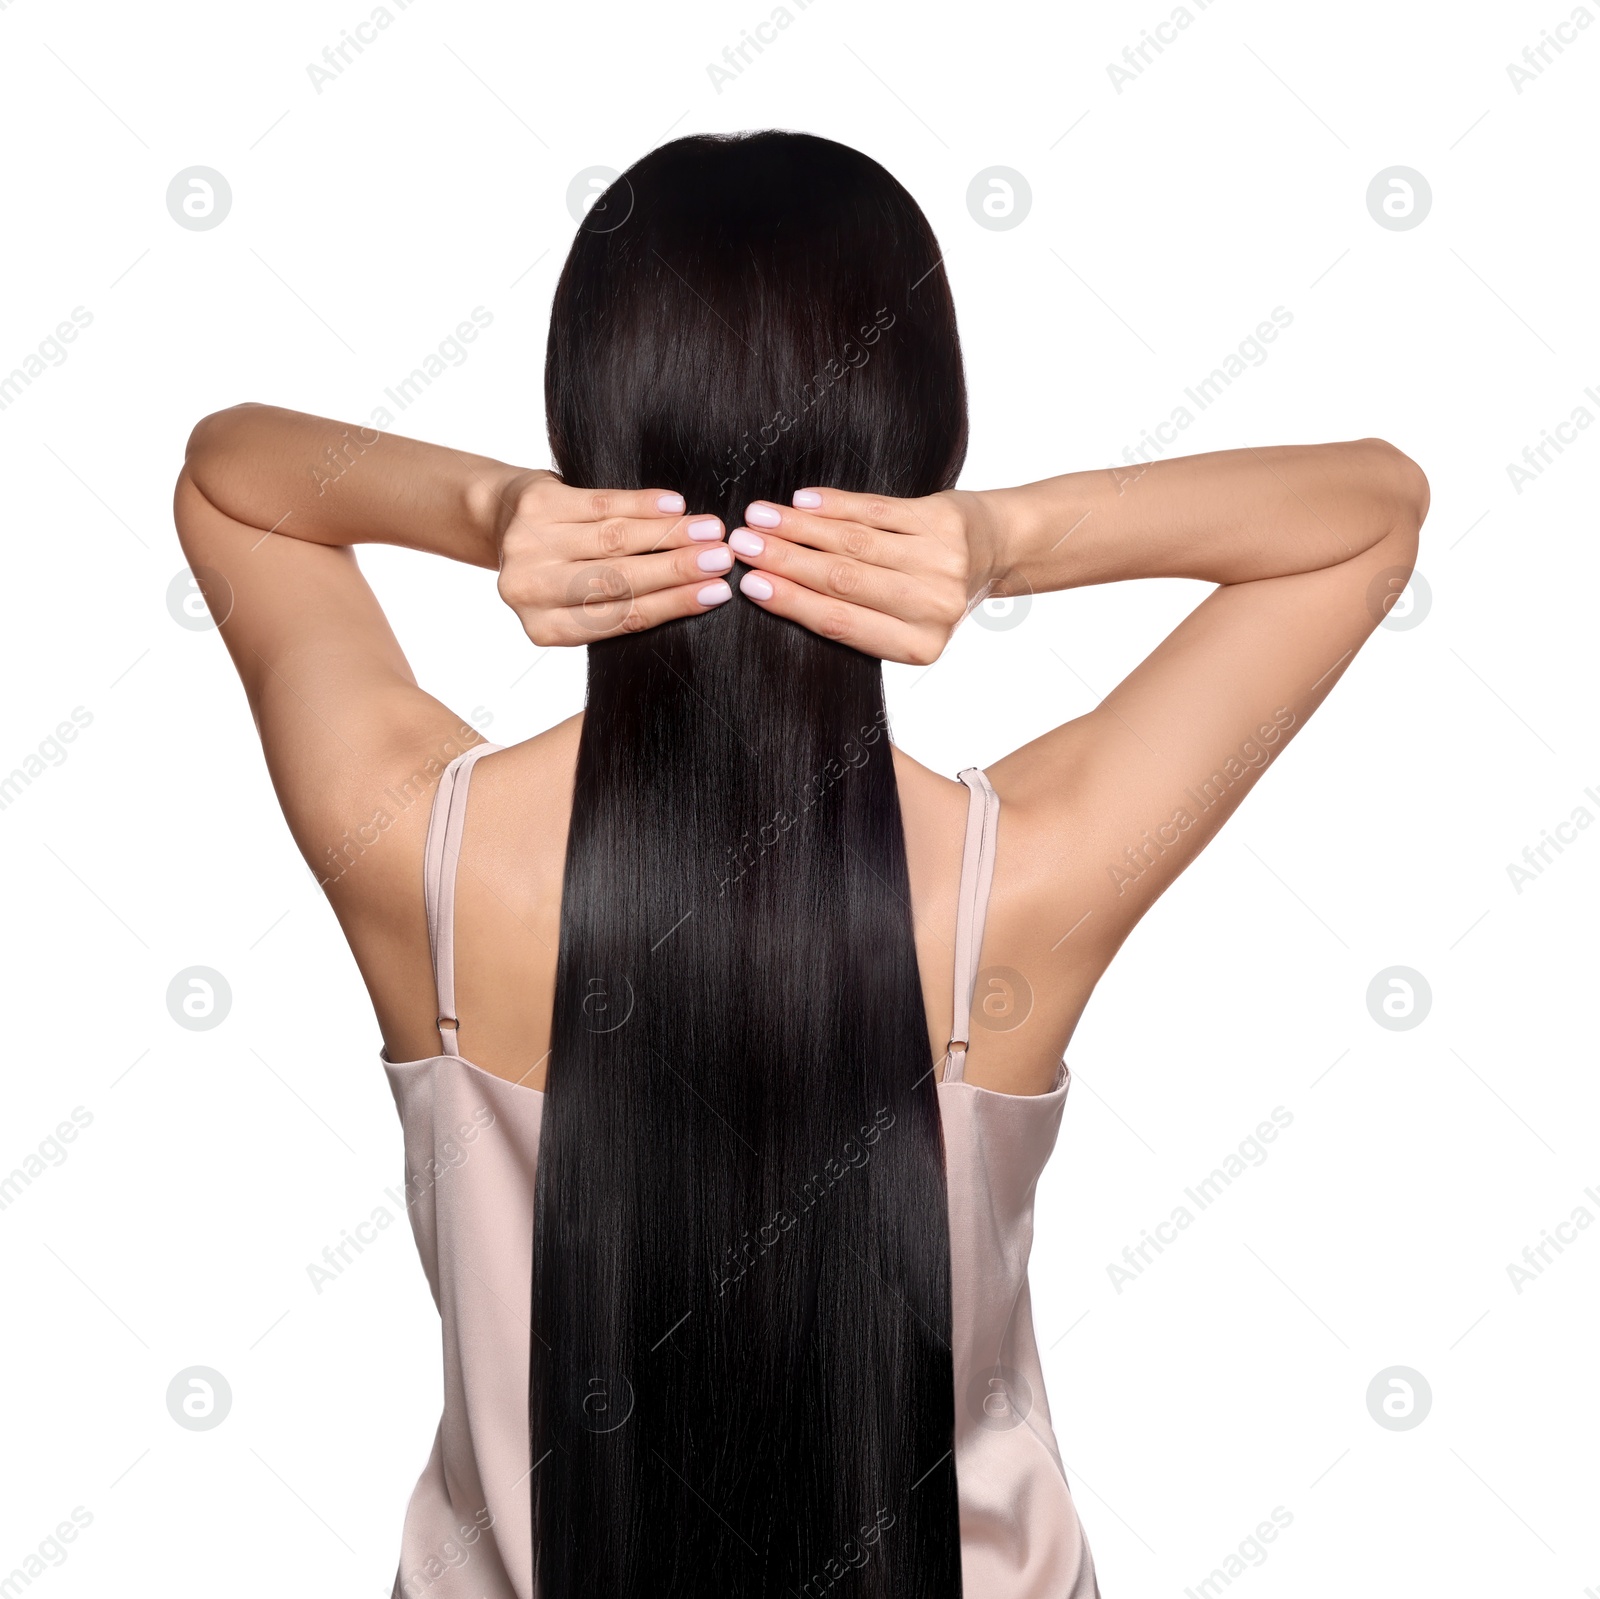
x: 892, y: 578
x: 578, y: 565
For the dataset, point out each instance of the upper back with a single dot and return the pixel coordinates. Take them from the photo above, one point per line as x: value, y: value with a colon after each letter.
x: 506, y: 925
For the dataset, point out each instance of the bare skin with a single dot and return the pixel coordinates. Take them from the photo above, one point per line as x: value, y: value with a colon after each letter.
x: 1098, y: 816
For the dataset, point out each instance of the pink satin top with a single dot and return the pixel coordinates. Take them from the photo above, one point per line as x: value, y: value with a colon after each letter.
x: 471, y: 1153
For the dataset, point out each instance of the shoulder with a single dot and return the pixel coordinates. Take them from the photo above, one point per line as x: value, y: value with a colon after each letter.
x: 522, y: 795
x: 1053, y: 923
x: 356, y: 823
x: 1064, y: 808
x: 932, y: 808
x: 394, y: 799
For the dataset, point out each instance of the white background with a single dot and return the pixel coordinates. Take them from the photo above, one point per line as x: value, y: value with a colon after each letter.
x: 1227, y: 178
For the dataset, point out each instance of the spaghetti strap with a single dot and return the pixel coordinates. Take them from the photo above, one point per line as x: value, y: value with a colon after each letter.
x: 441, y: 860
x: 972, y: 909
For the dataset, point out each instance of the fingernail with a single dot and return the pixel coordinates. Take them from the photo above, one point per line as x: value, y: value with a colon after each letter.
x: 807, y: 499
x: 669, y: 502
x: 762, y: 516
x: 717, y: 560
x: 755, y: 585
x: 746, y: 542
x: 711, y: 528
x: 714, y: 593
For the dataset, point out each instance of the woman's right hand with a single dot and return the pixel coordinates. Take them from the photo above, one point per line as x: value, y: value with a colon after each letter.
x: 578, y: 565
x: 889, y: 577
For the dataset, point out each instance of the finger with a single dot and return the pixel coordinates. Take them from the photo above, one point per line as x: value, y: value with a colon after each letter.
x: 876, y: 546
x: 632, y: 577
x: 634, y: 613
x: 599, y: 505
x: 871, y: 632
x: 834, y: 575
x: 619, y: 535
x: 871, y: 510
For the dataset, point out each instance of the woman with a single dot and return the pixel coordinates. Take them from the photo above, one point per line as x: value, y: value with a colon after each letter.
x: 680, y: 1016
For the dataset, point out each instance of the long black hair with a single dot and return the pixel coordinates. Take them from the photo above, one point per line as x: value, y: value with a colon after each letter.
x: 740, y: 1373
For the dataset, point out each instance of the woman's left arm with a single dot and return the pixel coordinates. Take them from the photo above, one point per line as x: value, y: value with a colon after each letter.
x: 269, y: 506
x: 334, y: 483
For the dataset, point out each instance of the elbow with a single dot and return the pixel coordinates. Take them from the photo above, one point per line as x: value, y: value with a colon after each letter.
x: 1403, y: 488
x: 202, y: 438
x: 1416, y: 496
x: 209, y: 432
x: 209, y: 442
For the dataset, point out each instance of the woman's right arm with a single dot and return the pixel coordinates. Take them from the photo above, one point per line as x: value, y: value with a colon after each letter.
x: 1233, y: 516
x: 1309, y: 545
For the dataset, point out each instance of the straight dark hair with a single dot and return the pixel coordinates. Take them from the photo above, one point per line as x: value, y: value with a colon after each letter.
x: 740, y: 1375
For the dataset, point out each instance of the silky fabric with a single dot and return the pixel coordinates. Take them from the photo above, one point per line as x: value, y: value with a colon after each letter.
x: 471, y: 1156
